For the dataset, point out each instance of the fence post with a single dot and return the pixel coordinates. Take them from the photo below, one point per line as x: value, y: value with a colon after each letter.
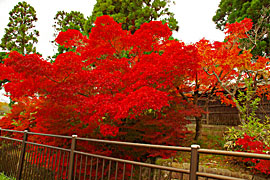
x: 21, y: 160
x: 194, y: 162
x: 1, y: 135
x: 71, y: 158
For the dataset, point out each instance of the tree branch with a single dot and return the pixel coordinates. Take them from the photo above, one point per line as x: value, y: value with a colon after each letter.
x: 219, y: 80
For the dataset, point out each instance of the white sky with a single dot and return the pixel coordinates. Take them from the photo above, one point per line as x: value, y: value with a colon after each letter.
x: 194, y: 18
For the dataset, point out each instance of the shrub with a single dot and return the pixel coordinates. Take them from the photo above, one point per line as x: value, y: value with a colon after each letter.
x: 252, y: 126
x: 251, y: 144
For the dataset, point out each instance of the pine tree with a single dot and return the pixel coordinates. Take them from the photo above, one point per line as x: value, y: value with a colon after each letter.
x: 20, y: 34
x: 133, y: 13
x: 70, y: 20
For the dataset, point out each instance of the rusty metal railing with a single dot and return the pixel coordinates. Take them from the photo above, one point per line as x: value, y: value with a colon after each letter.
x: 23, y: 159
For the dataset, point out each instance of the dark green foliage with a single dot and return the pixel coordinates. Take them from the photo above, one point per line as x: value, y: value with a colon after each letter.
x: 71, y: 20
x: 230, y: 11
x: 20, y: 35
x: 133, y: 13
x: 3, y: 55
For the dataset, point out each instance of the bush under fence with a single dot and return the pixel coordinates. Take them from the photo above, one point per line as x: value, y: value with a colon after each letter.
x: 22, y: 159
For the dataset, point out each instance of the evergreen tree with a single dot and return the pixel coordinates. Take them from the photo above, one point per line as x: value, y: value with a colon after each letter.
x: 20, y: 35
x: 133, y: 13
x: 70, y: 20
x: 231, y: 11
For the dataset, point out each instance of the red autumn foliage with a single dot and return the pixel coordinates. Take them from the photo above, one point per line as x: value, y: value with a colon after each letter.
x: 239, y: 29
x: 250, y: 144
x: 115, y: 85
x: 122, y: 86
x: 108, y: 130
x: 228, y: 64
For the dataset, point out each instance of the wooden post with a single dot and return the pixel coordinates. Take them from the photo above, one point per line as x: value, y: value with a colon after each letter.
x: 194, y: 162
x: 22, y: 155
x: 71, y: 158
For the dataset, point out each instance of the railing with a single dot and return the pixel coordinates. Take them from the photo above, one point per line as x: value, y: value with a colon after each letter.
x: 22, y: 159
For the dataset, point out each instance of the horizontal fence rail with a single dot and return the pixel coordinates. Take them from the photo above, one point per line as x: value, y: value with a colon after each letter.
x: 22, y: 159
x: 236, y: 154
x: 173, y: 148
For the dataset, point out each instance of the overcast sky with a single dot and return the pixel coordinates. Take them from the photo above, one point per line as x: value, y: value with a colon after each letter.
x: 194, y: 17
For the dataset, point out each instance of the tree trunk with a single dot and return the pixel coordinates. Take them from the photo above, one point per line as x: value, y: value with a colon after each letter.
x: 198, y: 132
x: 240, y: 113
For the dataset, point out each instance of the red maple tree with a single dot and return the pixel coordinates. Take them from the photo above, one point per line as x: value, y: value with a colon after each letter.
x: 115, y: 85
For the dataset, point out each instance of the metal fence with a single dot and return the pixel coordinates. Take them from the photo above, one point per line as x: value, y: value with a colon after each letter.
x: 26, y: 160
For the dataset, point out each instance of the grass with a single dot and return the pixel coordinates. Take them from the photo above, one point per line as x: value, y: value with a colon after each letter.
x: 3, y: 177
